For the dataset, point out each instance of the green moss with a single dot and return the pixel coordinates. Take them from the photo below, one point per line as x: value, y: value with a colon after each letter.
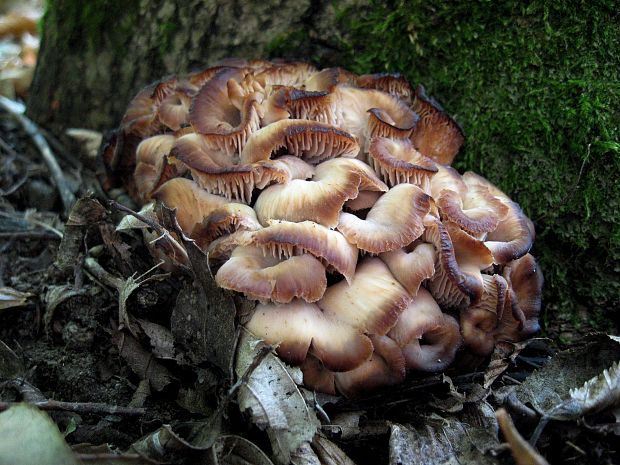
x: 536, y: 87
x: 167, y: 33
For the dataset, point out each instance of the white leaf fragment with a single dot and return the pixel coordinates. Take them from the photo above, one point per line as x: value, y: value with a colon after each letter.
x: 274, y: 402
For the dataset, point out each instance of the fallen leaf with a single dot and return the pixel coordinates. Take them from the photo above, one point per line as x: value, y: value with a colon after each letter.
x: 54, y: 296
x: 304, y: 455
x: 545, y: 389
x: 203, y: 319
x: 160, y: 338
x: 142, y: 362
x: 596, y: 395
x: 522, y: 451
x: 233, y: 450
x: 504, y: 354
x: 273, y: 400
x: 466, y: 439
x: 10, y: 298
x: 29, y: 437
x: 329, y: 453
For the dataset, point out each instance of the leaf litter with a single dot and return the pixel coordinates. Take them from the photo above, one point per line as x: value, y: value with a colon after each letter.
x: 170, y: 344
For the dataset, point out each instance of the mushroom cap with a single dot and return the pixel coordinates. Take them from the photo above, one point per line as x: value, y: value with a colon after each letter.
x: 213, y: 114
x: 152, y: 167
x: 436, y: 134
x: 398, y: 162
x: 265, y: 278
x: 364, y: 200
x: 447, y: 178
x: 317, y: 377
x: 225, y: 219
x: 478, y: 322
x: 298, y: 328
x: 392, y: 83
x: 513, y: 236
x: 173, y: 111
x: 299, y: 104
x: 352, y: 105
x: 218, y: 173
x: 372, y: 301
x: 320, y: 199
x: 292, y: 74
x: 524, y: 300
x: 311, y: 140
x: 428, y: 337
x: 140, y: 118
x: 411, y: 265
x: 457, y: 282
x: 285, y: 238
x: 386, y: 367
x: 477, y: 212
x: 394, y: 221
x: 192, y: 203
x: 328, y: 78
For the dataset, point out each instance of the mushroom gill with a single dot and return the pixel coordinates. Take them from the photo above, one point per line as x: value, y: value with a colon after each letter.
x: 328, y: 197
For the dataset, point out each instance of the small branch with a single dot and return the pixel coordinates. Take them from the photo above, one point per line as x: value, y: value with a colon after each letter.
x: 29, y: 235
x: 16, y: 111
x: 111, y: 458
x: 80, y: 407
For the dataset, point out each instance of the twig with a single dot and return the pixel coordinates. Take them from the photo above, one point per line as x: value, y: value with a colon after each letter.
x: 16, y: 111
x: 108, y: 458
x: 29, y: 235
x: 80, y: 407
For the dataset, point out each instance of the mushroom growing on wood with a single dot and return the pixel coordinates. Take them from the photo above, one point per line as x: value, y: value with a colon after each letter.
x: 328, y: 198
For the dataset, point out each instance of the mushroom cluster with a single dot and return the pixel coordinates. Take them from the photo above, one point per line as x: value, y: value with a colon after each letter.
x: 329, y: 198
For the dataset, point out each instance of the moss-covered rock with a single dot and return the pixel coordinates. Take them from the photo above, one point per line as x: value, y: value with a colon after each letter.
x: 536, y: 88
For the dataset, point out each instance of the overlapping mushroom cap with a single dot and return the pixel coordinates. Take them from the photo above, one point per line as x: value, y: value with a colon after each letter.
x: 329, y: 198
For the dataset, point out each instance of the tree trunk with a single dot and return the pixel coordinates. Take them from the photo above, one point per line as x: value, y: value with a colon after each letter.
x: 96, y: 55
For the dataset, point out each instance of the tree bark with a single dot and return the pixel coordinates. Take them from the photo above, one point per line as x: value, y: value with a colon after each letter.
x: 96, y: 55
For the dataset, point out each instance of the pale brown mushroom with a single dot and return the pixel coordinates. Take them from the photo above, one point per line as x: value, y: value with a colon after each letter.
x: 267, y: 278
x: 310, y: 140
x: 479, y: 322
x: 320, y: 199
x: 411, y: 265
x: 288, y: 102
x: 220, y: 174
x: 285, y: 238
x: 394, y: 221
x: 328, y: 78
x: 428, y: 337
x: 192, y: 203
x: 436, y: 135
x: 397, y: 162
x: 371, y: 302
x: 392, y: 83
x: 386, y: 367
x: 524, y: 300
x: 298, y: 328
x: 152, y: 166
x: 225, y: 128
x: 457, y: 282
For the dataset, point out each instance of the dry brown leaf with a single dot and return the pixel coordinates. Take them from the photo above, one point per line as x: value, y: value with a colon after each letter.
x: 10, y: 298
x: 522, y: 451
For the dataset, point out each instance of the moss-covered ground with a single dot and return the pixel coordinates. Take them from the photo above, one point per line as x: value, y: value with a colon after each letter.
x: 536, y: 87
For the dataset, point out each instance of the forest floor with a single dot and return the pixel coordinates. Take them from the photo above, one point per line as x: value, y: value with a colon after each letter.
x: 69, y: 280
